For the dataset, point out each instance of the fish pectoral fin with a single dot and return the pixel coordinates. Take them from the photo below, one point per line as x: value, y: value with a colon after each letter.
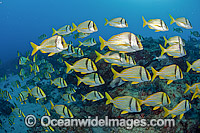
x: 175, y: 57
x: 155, y: 108
x: 173, y: 115
x: 134, y: 82
x: 169, y: 81
x: 157, y: 30
x: 161, y: 77
x: 51, y: 54
x: 61, y: 116
x: 181, y: 116
x: 92, y: 86
x: 43, y: 51
x: 124, y: 79
x: 124, y: 112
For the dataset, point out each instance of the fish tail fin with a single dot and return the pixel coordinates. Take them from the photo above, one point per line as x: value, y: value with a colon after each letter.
x: 144, y: 22
x: 51, y: 81
x: 83, y: 97
x: 109, y: 98
x: 116, y: 74
x: 189, y: 66
x: 69, y: 67
x: 162, y: 50
x: 166, y: 112
x: 29, y: 91
x: 54, y: 31
x: 187, y: 88
x: 74, y: 27
x: 155, y: 74
x: 79, y: 80
x: 106, y: 22
x: 172, y: 19
x: 99, y: 56
x: 35, y: 48
x: 165, y: 40
x: 195, y: 93
x: 52, y: 106
x: 102, y: 41
x: 80, y: 43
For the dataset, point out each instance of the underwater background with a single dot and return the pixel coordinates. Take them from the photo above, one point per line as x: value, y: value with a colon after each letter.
x: 26, y: 21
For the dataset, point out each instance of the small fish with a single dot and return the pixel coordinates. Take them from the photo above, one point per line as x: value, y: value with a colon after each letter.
x: 179, y: 109
x: 174, y: 40
x: 78, y: 52
x: 18, y: 112
x: 37, y: 92
x: 60, y: 82
x: 11, y: 120
x: 60, y: 60
x: 176, y: 50
x: 23, y: 60
x: 141, y: 38
x: 34, y: 68
x: 93, y: 95
x: 69, y: 51
x: 70, y: 90
x: 36, y: 79
x: 117, y: 22
x: 195, y: 66
x: 81, y: 35
x: 157, y: 100
x: 65, y: 30
x: 86, y: 27
x: 124, y: 43
x: 34, y: 58
x: 68, y: 97
x: 126, y: 103
x: 119, y: 59
x: 156, y: 24
x: 22, y: 72
x: 23, y: 97
x: 171, y: 72
x: 47, y: 75
x: 196, y: 93
x: 42, y: 37
x: 62, y: 110
x: 195, y: 33
x: 135, y: 74
x: 88, y: 42
x: 182, y: 22
x: 179, y: 30
x: 52, y: 45
x: 7, y: 95
x: 84, y: 66
x: 92, y: 79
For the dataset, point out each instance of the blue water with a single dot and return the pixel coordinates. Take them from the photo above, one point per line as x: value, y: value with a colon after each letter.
x: 22, y: 21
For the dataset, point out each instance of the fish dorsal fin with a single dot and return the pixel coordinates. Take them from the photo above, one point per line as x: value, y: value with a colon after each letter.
x: 173, y: 115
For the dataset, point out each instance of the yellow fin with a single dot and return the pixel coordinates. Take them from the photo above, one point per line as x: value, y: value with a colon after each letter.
x: 169, y: 81
x: 144, y: 22
x: 108, y: 97
x: 116, y: 74
x: 124, y: 112
x: 106, y: 22
x: 166, y: 112
x: 189, y: 66
x: 43, y: 51
x: 155, y: 108
x: 35, y: 48
x: 102, y: 41
x: 173, y: 115
x: 157, y: 30
x: 172, y: 19
x: 54, y: 31
x: 51, y: 54
x: 181, y: 116
x: 134, y: 82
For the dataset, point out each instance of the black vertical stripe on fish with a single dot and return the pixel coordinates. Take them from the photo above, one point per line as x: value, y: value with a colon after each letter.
x: 140, y: 73
x: 38, y: 90
x: 56, y: 40
x: 72, y: 49
x: 186, y: 104
x: 136, y: 105
x: 94, y: 26
x: 64, y: 110
x: 130, y: 103
x: 121, y: 20
x: 86, y: 63
x: 185, y: 21
x: 120, y: 55
x: 137, y: 41
x: 162, y: 99
x: 22, y: 97
x: 161, y: 23
x: 167, y: 99
x: 99, y: 78
x: 95, y: 95
x: 91, y: 65
x: 175, y: 71
x: 129, y: 38
x: 94, y: 77
x: 89, y: 24
x: 179, y: 41
x: 180, y: 72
